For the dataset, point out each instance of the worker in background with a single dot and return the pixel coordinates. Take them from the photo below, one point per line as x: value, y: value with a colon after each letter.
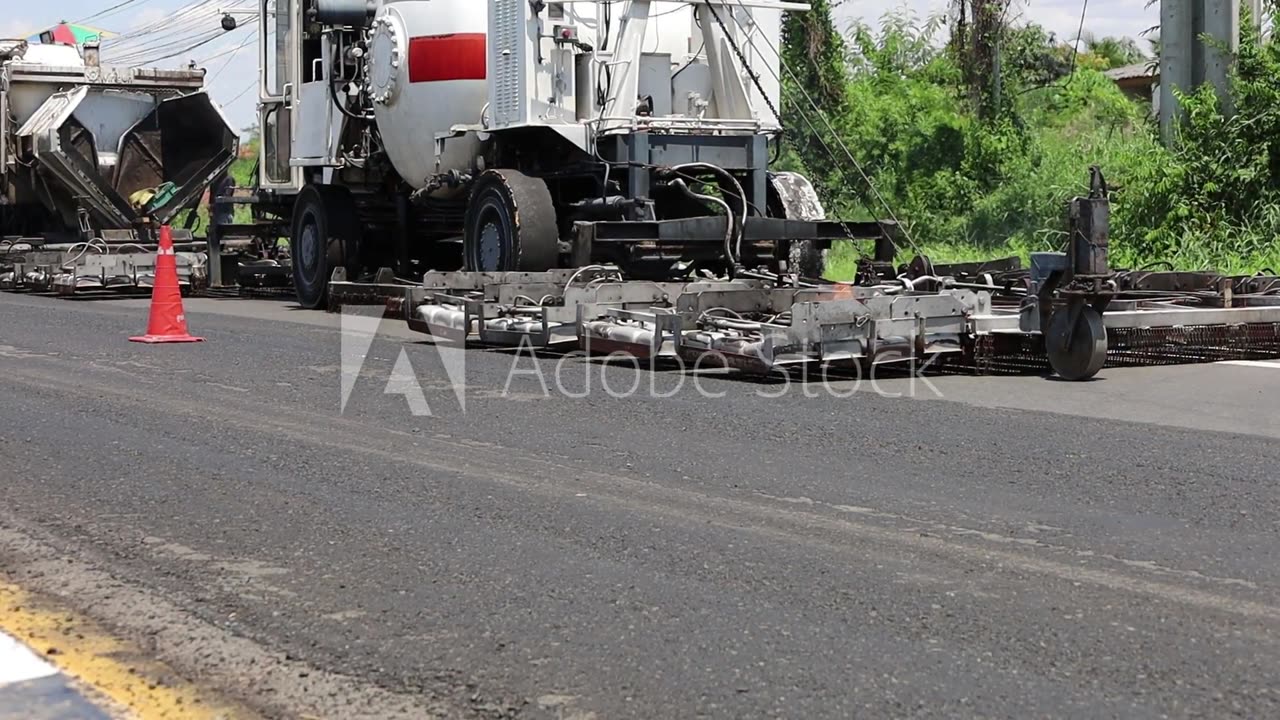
x: 221, y: 213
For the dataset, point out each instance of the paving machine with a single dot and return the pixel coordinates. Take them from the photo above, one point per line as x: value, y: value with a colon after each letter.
x: 1069, y: 312
x: 93, y: 158
x: 526, y: 135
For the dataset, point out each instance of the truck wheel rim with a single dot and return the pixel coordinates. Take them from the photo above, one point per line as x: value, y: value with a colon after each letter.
x: 310, y: 250
x: 489, y: 251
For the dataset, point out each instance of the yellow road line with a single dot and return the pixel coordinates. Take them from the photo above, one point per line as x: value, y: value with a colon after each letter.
x: 120, y: 671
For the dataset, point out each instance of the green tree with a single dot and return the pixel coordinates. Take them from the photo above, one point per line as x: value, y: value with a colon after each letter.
x: 813, y: 54
x: 976, y: 38
x: 969, y: 186
x: 1032, y: 58
x: 1115, y: 51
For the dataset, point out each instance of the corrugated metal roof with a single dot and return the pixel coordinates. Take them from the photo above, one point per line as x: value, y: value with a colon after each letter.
x: 1144, y: 69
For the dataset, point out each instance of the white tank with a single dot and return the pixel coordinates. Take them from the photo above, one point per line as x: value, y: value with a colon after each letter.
x: 427, y: 69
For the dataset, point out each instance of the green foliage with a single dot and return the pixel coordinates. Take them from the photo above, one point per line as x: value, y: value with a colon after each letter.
x: 244, y: 169
x: 1214, y: 198
x: 1113, y: 52
x: 1033, y: 58
x: 814, y: 54
x: 967, y: 188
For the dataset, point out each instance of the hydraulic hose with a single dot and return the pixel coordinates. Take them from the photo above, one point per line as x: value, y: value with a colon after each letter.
x: 732, y: 249
x: 333, y: 93
x: 728, y: 216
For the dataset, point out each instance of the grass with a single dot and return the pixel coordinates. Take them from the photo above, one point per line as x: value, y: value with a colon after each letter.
x: 842, y: 261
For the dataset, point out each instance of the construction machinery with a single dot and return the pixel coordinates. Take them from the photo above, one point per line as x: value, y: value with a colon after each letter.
x: 526, y: 135
x: 93, y: 159
x: 597, y: 173
x: 1070, y: 312
x: 594, y: 174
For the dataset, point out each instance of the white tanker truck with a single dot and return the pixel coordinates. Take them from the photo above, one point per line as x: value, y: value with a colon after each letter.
x: 501, y: 135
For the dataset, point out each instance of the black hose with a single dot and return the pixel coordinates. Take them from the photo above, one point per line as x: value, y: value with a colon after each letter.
x: 333, y: 93
x: 729, y: 222
x: 741, y: 225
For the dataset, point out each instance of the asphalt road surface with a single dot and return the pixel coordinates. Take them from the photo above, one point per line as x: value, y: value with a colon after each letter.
x: 996, y: 547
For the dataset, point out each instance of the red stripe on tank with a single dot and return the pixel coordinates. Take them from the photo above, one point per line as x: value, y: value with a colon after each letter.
x: 436, y: 58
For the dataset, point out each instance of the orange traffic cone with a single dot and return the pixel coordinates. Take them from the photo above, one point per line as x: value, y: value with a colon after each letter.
x: 168, y: 323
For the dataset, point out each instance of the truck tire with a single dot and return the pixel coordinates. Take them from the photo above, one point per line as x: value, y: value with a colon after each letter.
x: 325, y: 235
x: 792, y: 197
x: 510, y: 224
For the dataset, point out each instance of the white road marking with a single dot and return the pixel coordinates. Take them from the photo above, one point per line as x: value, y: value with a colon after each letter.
x: 19, y: 664
x: 1272, y: 364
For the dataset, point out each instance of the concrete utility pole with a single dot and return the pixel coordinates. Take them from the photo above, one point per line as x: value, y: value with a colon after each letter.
x: 1198, y: 42
x: 1255, y: 12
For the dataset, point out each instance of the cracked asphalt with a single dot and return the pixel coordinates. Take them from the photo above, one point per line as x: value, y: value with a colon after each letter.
x: 708, y: 547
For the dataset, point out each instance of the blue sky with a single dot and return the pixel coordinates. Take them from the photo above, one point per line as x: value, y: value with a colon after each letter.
x: 232, y: 71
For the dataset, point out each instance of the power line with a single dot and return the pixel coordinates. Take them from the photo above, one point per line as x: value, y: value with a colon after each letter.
x: 125, y: 4
x: 176, y: 39
x: 144, y: 31
x: 111, y: 10
x: 1064, y: 82
x: 241, y: 94
x: 179, y: 46
x: 1084, y: 7
x: 188, y: 17
x: 183, y: 51
x: 223, y: 52
x: 143, y: 55
x: 234, y: 53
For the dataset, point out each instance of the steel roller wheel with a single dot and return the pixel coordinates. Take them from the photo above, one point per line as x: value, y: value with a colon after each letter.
x: 511, y: 224
x: 325, y: 235
x: 1080, y: 352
